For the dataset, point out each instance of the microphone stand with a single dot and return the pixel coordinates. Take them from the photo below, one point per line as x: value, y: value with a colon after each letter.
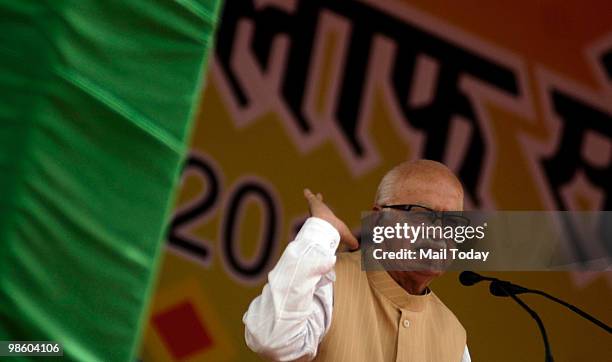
x: 547, y: 353
x: 496, y: 290
x: 574, y: 309
x: 502, y: 288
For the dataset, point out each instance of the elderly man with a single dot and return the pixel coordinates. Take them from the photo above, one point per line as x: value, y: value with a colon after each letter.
x: 324, y: 307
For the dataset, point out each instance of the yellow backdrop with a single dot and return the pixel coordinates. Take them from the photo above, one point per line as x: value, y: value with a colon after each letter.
x: 507, y: 81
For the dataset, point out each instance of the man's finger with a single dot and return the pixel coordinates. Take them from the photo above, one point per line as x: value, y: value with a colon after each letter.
x: 308, y: 194
x: 320, y: 196
x: 347, y: 237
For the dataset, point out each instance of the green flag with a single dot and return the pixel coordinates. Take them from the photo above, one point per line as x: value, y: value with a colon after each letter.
x: 96, y: 103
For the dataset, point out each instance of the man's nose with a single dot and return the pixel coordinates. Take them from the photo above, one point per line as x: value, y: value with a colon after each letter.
x: 438, y: 222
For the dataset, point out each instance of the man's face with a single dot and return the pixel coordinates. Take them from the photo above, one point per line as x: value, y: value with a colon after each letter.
x: 438, y: 190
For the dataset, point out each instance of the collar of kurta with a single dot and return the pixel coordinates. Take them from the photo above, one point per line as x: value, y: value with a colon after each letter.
x: 382, y: 282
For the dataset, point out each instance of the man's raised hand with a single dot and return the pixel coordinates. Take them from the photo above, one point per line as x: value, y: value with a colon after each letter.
x: 319, y: 209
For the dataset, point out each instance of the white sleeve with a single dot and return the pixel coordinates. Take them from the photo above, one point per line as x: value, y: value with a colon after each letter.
x: 293, y: 313
x: 466, y: 355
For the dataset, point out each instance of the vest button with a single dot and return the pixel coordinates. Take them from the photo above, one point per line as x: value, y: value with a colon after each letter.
x: 406, y: 323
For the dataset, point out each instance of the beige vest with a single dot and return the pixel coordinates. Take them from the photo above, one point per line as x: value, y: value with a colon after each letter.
x: 374, y: 319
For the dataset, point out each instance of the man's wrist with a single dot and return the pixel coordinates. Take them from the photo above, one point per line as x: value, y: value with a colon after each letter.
x: 319, y: 231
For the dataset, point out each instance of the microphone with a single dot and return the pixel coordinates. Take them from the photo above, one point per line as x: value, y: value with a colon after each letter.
x: 500, y: 288
x: 504, y: 288
x: 469, y: 278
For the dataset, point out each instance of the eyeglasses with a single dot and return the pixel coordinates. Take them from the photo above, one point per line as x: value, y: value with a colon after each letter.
x: 421, y: 214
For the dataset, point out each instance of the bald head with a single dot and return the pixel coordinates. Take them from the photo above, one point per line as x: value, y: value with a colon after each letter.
x: 422, y: 182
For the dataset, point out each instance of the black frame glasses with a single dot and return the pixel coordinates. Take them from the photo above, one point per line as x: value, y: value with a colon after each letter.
x: 447, y: 218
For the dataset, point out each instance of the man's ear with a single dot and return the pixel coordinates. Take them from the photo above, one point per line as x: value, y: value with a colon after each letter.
x: 377, y: 215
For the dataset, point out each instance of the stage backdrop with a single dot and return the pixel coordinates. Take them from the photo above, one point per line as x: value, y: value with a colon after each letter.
x: 516, y: 97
